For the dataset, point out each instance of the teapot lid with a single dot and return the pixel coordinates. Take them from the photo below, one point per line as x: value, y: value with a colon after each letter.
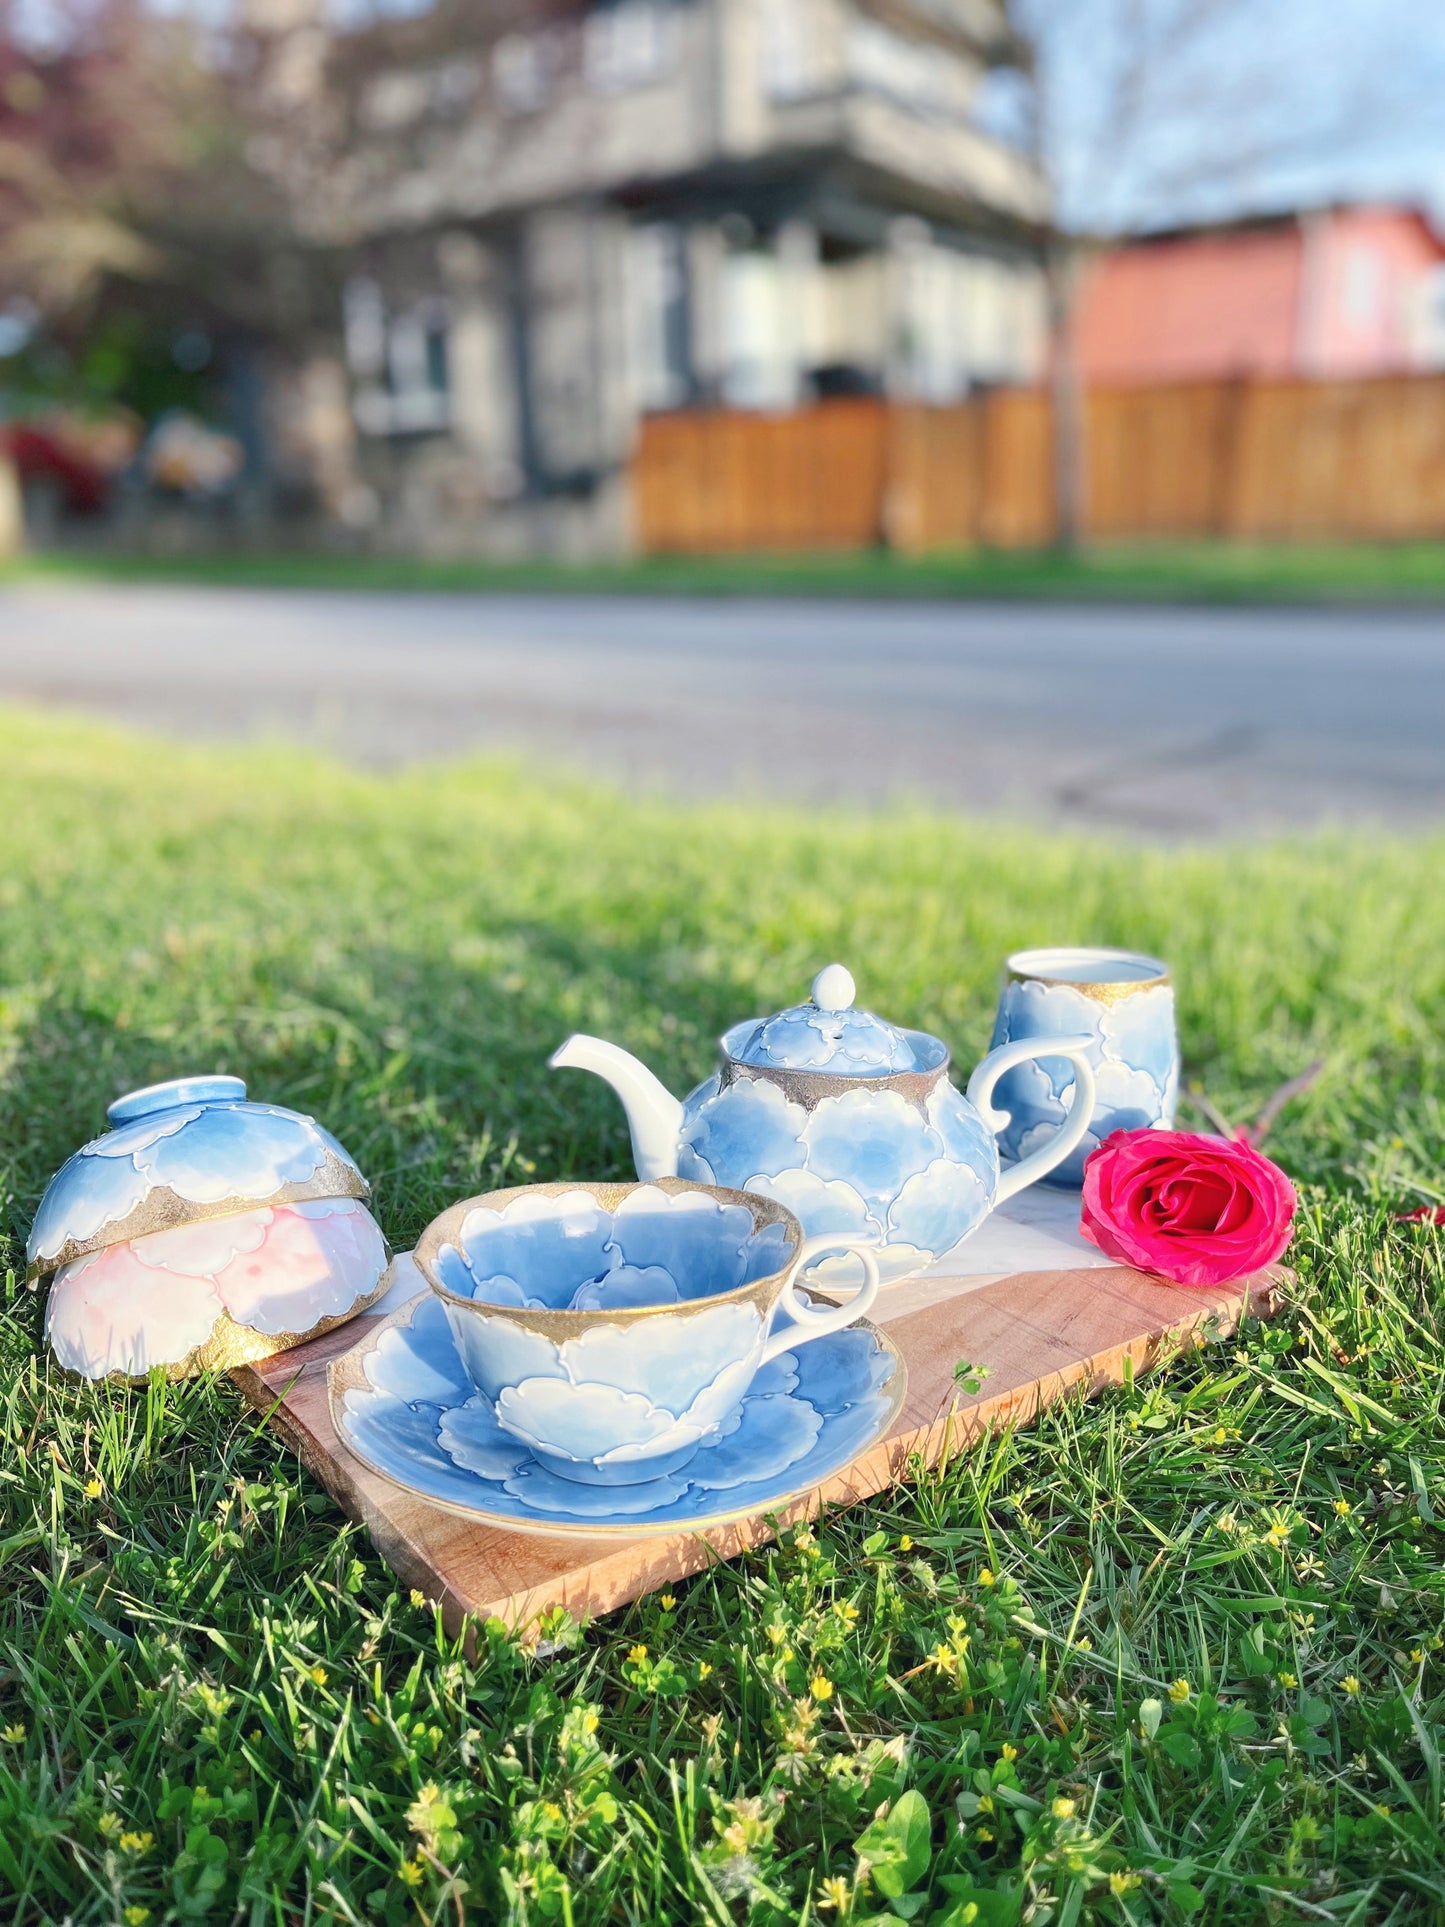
x: 189, y: 1149
x: 829, y: 1034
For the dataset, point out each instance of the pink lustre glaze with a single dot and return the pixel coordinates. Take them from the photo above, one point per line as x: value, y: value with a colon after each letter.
x: 276, y: 1270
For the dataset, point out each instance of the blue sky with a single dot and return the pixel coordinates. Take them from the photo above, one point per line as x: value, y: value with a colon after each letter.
x: 1244, y: 104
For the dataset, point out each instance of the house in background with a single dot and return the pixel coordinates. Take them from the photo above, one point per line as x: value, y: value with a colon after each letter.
x: 1328, y: 294
x: 555, y: 222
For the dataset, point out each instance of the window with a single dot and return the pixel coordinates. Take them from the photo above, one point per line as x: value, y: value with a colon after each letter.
x: 522, y: 68
x: 1364, y: 285
x: 628, y: 45
x: 399, y: 362
x: 791, y: 53
x: 1433, y: 343
x: 661, y: 354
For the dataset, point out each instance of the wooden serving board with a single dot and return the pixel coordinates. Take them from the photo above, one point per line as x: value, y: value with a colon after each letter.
x: 1057, y: 1317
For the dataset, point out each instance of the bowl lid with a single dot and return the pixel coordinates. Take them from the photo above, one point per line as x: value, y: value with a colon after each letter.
x: 829, y: 1034
x: 179, y: 1152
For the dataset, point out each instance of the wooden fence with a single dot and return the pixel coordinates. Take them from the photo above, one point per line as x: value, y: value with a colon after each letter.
x: 1348, y: 460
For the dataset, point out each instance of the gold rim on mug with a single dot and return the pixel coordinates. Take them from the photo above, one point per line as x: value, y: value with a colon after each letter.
x: 1051, y: 967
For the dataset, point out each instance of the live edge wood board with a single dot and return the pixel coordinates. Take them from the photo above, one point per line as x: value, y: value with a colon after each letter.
x: 1042, y: 1334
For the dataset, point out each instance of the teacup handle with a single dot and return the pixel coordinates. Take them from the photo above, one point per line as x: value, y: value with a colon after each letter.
x: 807, y: 1323
x: 1016, y: 1177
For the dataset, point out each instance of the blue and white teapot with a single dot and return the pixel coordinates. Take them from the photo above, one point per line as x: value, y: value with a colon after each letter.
x: 848, y: 1121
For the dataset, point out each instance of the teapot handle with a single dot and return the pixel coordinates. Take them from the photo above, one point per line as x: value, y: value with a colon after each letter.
x: 809, y: 1324
x: 1016, y: 1177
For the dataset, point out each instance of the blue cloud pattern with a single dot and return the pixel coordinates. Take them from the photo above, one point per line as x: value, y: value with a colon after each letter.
x: 569, y: 1253
x: 805, y: 1415
x: 1135, y: 1061
x: 205, y: 1153
x: 867, y: 1163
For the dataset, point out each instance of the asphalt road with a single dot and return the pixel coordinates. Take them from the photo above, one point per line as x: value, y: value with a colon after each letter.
x: 1171, y: 721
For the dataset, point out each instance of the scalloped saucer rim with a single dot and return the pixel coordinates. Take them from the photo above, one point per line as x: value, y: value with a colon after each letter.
x: 347, y: 1375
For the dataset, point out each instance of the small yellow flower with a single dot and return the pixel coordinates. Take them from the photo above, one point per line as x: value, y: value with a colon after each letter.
x: 987, y: 1578
x: 1342, y: 1508
x: 1226, y: 1522
x: 847, y: 1612
x: 93, y: 1488
x: 704, y: 1670
x: 1084, y: 1644
x: 985, y: 1834
x: 137, y: 1842
x: 1278, y: 1535
x: 1417, y: 1658
x: 1065, y: 1809
x: 1287, y: 1680
x: 834, y: 1892
x: 318, y: 1675
x: 636, y: 1656
x: 552, y: 1810
x: 905, y: 1544
x: 820, y: 1686
x: 1122, y: 1882
x: 410, y: 1873
x: 14, y: 1733
x: 418, y: 1599
x: 1180, y: 1691
x: 110, y: 1825
x: 785, y: 1654
x: 589, y: 1722
x: 1383, y: 1811
x: 1350, y: 1684
x: 667, y: 1602
x: 1010, y: 1752
x: 136, y: 1916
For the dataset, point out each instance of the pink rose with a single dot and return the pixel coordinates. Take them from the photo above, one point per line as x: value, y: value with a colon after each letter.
x: 1197, y: 1210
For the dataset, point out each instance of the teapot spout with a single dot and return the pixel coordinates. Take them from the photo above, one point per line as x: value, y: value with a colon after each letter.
x: 654, y: 1115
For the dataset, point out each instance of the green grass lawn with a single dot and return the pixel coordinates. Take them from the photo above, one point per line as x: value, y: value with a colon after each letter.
x: 1178, y: 1654
x: 1161, y: 571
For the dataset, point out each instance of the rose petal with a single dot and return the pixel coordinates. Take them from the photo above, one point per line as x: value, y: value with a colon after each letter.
x: 1200, y: 1211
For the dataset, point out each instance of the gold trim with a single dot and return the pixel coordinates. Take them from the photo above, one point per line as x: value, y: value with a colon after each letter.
x: 163, y: 1209
x: 1097, y: 993
x: 230, y: 1344
x: 810, y: 1088
x: 559, y: 1326
x: 1105, y: 991
x: 348, y: 1373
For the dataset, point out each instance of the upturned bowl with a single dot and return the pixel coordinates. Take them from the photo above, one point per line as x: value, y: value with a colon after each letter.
x: 614, y: 1328
x: 202, y: 1231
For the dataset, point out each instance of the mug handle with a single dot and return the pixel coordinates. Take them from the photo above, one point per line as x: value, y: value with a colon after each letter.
x: 807, y: 1323
x: 1016, y: 1177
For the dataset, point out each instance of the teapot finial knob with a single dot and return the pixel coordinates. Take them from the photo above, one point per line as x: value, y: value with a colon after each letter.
x: 833, y: 988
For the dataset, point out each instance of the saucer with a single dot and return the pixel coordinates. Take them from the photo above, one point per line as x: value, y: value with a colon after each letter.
x: 402, y: 1404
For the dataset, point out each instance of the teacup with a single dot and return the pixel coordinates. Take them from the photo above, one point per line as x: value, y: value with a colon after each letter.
x: 1124, y: 1002
x: 614, y: 1328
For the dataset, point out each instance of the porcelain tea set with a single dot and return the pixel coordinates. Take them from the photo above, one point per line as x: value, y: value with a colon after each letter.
x: 611, y: 1357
